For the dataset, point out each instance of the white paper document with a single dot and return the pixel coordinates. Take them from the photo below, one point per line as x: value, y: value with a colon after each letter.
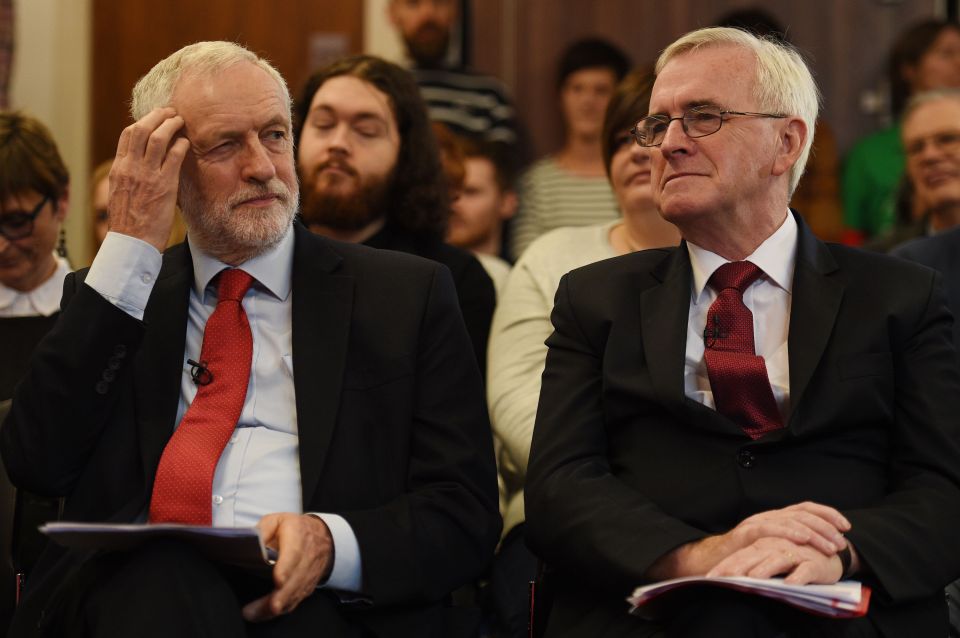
x: 846, y: 599
x: 240, y: 546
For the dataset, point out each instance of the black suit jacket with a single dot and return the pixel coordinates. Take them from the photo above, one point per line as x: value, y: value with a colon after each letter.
x: 474, y: 287
x: 624, y: 467
x: 942, y: 253
x: 392, y: 426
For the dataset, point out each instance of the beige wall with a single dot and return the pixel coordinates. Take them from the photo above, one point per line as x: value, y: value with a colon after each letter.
x: 51, y: 80
x: 379, y: 36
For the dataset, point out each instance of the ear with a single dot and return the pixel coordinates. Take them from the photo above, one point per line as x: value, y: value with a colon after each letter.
x: 793, y: 136
x: 508, y: 204
x: 63, y: 204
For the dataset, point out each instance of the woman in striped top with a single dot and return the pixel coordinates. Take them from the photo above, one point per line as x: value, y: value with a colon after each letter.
x: 570, y: 188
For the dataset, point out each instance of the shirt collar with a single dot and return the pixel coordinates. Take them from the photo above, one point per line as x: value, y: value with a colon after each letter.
x: 43, y: 300
x: 271, y: 270
x: 776, y: 256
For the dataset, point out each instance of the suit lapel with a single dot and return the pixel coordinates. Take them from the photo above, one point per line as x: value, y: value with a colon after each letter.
x: 322, y: 308
x: 663, y: 311
x: 814, y: 308
x: 159, y: 365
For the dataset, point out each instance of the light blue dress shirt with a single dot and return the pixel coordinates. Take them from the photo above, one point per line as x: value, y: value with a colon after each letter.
x: 259, y: 470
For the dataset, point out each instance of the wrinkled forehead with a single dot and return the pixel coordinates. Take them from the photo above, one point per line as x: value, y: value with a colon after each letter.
x: 722, y: 75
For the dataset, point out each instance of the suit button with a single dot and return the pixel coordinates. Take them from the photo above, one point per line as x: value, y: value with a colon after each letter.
x: 109, y: 375
x: 102, y: 387
x: 746, y: 459
x: 120, y: 351
x: 114, y: 363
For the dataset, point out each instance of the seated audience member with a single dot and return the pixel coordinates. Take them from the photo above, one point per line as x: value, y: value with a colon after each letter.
x: 99, y: 196
x: 486, y: 201
x: 470, y: 104
x: 34, y: 198
x: 753, y: 403
x: 930, y: 133
x: 570, y: 188
x: 521, y: 323
x: 926, y: 56
x: 371, y: 173
x: 931, y: 139
x: 817, y: 197
x: 257, y: 375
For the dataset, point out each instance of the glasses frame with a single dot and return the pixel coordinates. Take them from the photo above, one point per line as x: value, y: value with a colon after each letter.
x: 638, y: 135
x: 27, y: 218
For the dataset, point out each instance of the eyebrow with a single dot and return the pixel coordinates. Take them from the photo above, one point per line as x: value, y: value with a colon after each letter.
x: 361, y: 116
x: 212, y: 138
x: 692, y: 105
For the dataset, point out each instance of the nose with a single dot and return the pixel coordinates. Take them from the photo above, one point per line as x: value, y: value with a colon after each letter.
x: 676, y: 139
x: 258, y: 163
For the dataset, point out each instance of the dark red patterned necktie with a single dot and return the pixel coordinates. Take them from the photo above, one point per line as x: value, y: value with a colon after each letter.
x: 738, y: 377
x: 182, y: 490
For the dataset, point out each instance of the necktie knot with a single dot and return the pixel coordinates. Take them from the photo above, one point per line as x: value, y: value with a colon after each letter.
x: 233, y: 284
x: 736, y: 274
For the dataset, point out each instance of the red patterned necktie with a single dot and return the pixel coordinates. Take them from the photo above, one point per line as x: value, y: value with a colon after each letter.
x: 182, y: 490
x: 738, y: 377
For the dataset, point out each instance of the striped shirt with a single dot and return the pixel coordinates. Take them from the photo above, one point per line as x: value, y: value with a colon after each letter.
x: 550, y: 197
x: 469, y: 104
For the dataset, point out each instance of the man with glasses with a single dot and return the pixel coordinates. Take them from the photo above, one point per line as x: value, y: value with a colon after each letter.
x: 931, y: 140
x: 752, y: 403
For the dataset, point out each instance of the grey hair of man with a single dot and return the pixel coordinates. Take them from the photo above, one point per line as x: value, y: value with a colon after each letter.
x: 925, y: 97
x: 205, y: 59
x: 783, y: 82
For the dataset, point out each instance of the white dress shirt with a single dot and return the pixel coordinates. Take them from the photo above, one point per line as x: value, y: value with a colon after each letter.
x: 259, y: 470
x: 768, y: 298
x: 44, y: 300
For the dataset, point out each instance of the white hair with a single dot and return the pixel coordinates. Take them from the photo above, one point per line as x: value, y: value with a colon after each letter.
x: 155, y: 89
x: 925, y: 97
x: 784, y: 84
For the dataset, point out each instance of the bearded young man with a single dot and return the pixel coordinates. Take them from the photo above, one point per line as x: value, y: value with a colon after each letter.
x: 256, y: 375
x: 470, y: 104
x: 370, y: 172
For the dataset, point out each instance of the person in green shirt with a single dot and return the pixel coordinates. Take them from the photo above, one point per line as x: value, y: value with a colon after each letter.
x: 926, y: 56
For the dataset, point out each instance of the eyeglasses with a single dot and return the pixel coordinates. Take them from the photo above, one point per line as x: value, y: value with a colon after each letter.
x: 946, y: 142
x: 698, y: 121
x: 18, y: 224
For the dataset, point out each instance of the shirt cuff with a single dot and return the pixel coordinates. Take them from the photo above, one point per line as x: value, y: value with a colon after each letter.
x: 124, y: 272
x: 346, y: 574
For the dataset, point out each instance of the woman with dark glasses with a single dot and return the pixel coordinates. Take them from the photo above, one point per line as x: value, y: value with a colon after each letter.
x: 34, y: 186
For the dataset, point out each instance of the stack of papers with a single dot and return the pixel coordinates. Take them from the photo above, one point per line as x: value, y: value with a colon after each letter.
x: 240, y: 546
x: 846, y: 599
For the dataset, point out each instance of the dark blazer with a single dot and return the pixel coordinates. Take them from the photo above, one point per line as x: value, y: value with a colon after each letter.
x: 392, y: 424
x: 624, y: 468
x: 474, y: 287
x: 942, y: 253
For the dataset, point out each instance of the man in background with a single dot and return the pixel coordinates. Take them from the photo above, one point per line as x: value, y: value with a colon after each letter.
x: 486, y: 202
x: 470, y: 104
x: 370, y: 173
x: 931, y: 141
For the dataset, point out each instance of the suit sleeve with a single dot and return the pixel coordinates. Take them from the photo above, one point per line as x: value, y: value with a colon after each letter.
x: 73, y: 383
x: 908, y: 541
x: 580, y: 516
x: 441, y: 531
